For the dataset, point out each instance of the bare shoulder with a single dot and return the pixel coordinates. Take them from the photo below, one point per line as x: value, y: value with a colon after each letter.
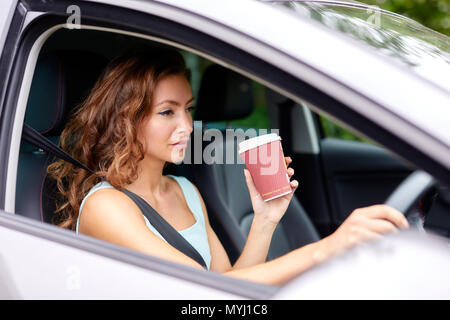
x: 110, y: 215
x: 180, y: 194
x: 108, y: 208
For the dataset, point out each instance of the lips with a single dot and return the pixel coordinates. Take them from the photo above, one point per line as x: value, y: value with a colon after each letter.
x: 180, y: 144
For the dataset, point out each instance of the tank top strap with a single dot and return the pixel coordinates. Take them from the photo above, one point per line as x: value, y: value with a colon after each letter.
x: 191, y: 196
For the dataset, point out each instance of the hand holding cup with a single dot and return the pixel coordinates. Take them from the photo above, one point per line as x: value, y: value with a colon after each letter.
x: 270, y: 211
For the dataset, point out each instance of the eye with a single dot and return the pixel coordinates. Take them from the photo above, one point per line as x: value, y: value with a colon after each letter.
x: 165, y: 112
x: 170, y: 112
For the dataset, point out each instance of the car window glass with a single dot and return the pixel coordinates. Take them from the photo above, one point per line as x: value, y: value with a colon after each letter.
x: 331, y: 129
x: 259, y: 118
x: 197, y: 65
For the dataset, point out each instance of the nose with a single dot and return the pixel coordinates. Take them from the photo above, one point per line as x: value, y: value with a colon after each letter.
x: 184, y: 124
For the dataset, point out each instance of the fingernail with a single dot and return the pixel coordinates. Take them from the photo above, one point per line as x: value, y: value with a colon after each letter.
x: 405, y: 224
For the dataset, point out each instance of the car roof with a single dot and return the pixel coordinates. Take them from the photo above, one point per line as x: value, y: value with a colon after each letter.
x: 422, y: 50
x: 349, y: 3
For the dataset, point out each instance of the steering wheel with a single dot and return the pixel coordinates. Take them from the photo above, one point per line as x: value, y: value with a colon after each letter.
x: 405, y: 197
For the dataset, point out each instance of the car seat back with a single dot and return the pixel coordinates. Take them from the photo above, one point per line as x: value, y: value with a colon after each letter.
x: 61, y: 81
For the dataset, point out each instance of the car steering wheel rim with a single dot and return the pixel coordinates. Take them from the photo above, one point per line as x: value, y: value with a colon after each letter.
x: 408, y: 193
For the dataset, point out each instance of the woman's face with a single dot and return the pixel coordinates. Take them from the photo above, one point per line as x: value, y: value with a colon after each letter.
x: 166, y: 130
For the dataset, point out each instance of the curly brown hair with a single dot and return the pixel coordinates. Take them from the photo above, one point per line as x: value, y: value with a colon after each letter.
x: 102, y: 132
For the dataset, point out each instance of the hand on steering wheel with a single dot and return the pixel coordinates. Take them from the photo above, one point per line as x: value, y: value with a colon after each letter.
x: 370, y: 223
x: 363, y: 225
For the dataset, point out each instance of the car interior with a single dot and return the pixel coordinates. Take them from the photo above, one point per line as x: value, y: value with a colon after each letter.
x: 336, y: 176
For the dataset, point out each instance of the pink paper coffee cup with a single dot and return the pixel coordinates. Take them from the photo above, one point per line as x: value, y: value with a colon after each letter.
x: 263, y: 156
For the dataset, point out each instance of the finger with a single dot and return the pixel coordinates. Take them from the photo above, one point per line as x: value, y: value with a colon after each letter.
x: 290, y: 172
x: 294, y: 185
x: 386, y: 212
x: 287, y: 161
x: 364, y: 235
x: 250, y: 185
x: 379, y: 226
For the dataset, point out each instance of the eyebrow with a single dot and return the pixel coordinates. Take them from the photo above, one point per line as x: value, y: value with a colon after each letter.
x: 173, y: 102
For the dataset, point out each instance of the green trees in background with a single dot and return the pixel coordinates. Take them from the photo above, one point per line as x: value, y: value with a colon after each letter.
x: 434, y: 14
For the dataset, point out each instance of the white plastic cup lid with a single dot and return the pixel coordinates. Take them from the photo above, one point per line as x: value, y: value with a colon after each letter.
x: 257, y: 141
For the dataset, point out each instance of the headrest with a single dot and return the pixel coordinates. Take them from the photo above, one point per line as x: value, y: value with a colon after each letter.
x: 224, y: 95
x: 61, y: 81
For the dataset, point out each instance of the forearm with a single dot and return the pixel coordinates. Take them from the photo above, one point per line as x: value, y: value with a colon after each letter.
x: 257, y: 245
x: 286, y: 267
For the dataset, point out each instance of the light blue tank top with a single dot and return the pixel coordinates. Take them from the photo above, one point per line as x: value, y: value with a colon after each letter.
x: 196, y: 234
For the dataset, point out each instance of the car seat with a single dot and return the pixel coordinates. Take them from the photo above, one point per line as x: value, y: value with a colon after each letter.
x: 225, y: 95
x: 62, y: 80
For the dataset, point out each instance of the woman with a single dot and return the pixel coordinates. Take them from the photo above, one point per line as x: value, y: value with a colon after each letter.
x: 135, y: 120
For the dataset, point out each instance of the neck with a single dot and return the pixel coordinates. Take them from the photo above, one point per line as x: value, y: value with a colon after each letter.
x: 150, y: 181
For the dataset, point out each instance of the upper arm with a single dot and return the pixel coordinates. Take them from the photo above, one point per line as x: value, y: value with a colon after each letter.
x: 110, y: 215
x: 219, y: 258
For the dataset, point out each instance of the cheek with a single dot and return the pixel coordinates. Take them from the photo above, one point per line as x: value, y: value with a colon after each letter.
x: 153, y: 134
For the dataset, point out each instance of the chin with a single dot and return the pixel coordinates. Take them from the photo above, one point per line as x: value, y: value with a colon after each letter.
x: 177, y: 156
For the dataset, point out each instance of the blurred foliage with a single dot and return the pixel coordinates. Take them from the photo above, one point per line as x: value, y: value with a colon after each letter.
x: 332, y: 130
x: 434, y: 14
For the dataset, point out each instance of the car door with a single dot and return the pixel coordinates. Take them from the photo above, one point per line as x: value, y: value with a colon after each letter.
x: 44, y: 261
x: 39, y: 261
x: 356, y: 172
